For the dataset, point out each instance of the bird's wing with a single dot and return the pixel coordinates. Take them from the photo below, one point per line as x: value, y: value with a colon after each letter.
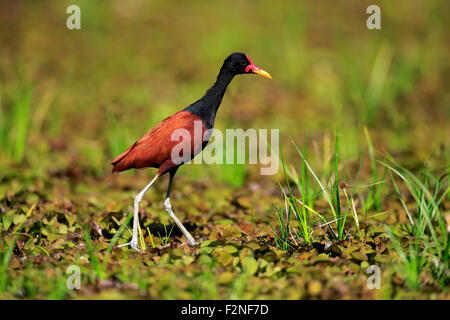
x: 155, y: 147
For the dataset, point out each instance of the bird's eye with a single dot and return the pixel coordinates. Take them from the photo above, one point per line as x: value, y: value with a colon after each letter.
x: 243, y: 62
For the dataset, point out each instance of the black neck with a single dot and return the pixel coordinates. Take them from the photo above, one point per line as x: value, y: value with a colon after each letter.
x: 213, y: 97
x: 207, y: 106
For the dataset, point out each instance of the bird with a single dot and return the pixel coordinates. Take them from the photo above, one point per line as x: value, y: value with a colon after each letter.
x: 156, y: 149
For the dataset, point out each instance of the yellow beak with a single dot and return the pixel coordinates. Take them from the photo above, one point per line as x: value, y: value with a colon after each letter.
x: 263, y: 73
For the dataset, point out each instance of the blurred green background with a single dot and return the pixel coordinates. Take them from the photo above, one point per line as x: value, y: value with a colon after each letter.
x: 75, y: 99
x: 72, y: 100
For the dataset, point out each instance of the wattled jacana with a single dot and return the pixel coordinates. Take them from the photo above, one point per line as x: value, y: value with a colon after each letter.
x: 155, y: 148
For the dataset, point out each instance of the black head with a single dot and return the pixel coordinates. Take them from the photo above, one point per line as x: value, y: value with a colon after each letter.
x: 240, y: 63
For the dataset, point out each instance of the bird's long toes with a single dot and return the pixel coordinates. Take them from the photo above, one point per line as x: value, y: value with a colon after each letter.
x: 135, y: 246
x: 192, y: 242
x: 124, y: 245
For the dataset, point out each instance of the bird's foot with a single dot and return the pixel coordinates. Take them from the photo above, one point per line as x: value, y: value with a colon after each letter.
x: 133, y: 244
x: 192, y: 242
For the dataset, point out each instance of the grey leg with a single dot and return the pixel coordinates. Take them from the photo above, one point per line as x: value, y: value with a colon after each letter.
x: 137, y: 200
x: 168, y: 208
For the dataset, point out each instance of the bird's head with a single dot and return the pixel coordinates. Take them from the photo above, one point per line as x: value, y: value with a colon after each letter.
x: 240, y: 63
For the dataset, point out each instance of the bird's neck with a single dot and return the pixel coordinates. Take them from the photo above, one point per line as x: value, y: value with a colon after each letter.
x: 206, y: 107
x: 213, y: 97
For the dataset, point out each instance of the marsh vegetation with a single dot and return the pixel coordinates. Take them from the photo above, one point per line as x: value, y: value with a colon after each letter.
x: 365, y: 154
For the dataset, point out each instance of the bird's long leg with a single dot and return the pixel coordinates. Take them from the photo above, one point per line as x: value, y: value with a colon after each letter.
x: 137, y: 200
x: 168, y: 208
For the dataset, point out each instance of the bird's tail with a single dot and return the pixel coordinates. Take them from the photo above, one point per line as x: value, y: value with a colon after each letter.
x: 118, y: 163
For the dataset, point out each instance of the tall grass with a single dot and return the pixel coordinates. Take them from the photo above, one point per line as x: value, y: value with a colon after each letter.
x: 284, y: 234
x: 95, y: 261
x: 374, y: 195
x: 15, y: 110
x: 430, y: 245
x: 301, y: 208
x: 5, y: 257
